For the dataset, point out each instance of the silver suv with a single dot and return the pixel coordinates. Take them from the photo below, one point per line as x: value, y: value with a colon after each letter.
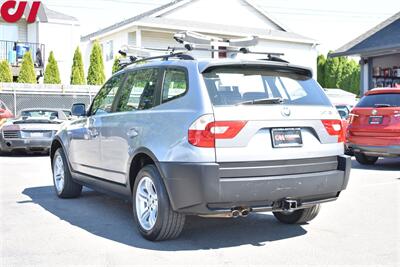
x: 214, y: 138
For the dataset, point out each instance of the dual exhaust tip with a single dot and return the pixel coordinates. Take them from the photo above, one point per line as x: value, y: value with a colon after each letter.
x: 285, y: 205
x: 240, y: 212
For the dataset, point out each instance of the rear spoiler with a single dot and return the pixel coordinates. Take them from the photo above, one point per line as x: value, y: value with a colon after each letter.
x: 281, y: 68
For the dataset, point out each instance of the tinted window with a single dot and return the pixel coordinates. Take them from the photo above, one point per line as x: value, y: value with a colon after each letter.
x: 139, y: 90
x: 382, y: 100
x: 175, y: 84
x: 230, y: 86
x: 104, y: 99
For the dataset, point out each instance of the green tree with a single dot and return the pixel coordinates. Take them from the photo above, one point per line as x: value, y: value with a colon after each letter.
x: 76, y: 78
x: 27, y: 73
x: 341, y: 72
x: 347, y: 71
x: 77, y: 72
x: 333, y: 73
x: 96, y: 75
x: 356, y: 81
x: 52, y: 74
x: 5, y: 72
x: 353, y: 78
x: 321, y: 62
x: 116, y: 67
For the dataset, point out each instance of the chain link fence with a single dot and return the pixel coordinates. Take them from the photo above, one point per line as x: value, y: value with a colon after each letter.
x: 21, y: 96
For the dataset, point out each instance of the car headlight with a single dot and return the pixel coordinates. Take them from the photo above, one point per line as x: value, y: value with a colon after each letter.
x: 24, y: 134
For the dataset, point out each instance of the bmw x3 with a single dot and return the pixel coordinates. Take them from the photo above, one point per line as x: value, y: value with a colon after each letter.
x: 213, y: 138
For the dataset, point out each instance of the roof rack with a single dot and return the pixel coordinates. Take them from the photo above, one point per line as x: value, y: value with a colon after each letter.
x: 193, y: 41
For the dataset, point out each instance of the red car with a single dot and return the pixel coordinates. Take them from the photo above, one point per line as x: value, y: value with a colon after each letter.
x: 374, y: 129
x: 5, y: 113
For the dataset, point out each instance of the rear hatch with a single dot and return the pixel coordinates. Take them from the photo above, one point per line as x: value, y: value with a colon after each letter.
x: 376, y: 120
x: 272, y: 113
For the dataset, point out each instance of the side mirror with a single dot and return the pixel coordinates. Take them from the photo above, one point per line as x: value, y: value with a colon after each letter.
x: 78, y: 110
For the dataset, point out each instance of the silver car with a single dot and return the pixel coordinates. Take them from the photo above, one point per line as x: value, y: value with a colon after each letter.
x: 33, y: 131
x: 214, y: 138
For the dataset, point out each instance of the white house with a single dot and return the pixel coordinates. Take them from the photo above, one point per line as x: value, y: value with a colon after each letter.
x: 53, y: 31
x: 224, y: 18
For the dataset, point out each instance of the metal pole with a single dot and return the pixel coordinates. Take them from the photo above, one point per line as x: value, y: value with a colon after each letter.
x: 15, y: 103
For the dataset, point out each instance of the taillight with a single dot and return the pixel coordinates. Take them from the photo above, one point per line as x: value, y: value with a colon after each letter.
x: 352, y: 117
x: 204, y: 131
x: 335, y: 128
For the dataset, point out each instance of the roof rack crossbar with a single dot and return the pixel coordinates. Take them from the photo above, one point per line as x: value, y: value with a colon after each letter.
x: 193, y: 41
x: 243, y: 50
x: 124, y: 62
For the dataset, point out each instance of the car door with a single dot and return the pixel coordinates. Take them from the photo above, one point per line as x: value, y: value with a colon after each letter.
x: 85, y: 150
x: 121, y: 131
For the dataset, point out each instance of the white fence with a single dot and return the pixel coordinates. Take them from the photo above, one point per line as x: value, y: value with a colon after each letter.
x: 21, y: 96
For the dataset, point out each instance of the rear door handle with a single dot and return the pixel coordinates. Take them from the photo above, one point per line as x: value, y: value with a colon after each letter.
x: 132, y: 133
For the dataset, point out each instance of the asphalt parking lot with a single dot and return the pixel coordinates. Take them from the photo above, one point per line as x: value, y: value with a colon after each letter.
x: 361, y: 228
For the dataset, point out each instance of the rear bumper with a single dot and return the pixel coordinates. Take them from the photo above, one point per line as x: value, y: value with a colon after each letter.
x: 25, y: 144
x: 210, y: 188
x: 381, y: 151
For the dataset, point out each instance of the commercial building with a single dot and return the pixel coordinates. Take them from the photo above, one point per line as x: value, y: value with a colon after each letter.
x: 379, y: 49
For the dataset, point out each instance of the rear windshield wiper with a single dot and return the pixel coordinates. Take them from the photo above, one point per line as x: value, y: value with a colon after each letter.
x: 263, y: 101
x: 382, y: 105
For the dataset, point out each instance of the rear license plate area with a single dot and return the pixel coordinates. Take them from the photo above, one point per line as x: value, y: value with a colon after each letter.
x: 36, y: 135
x: 375, y: 120
x: 286, y: 137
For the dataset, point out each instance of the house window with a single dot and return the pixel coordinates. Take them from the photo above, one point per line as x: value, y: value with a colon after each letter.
x: 109, y: 50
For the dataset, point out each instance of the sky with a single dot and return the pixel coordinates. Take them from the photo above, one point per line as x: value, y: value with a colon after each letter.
x: 332, y: 23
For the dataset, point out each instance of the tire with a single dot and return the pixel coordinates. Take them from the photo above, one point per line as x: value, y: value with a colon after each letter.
x: 64, y: 186
x: 365, y: 160
x: 298, y: 216
x: 4, y: 152
x: 162, y: 223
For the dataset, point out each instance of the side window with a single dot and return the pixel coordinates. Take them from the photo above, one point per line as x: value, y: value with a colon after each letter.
x: 175, y: 84
x: 139, y: 90
x: 104, y: 99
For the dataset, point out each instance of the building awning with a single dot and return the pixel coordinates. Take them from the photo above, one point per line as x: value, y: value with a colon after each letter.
x: 383, y: 39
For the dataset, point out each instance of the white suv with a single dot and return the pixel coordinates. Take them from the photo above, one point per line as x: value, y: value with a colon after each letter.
x: 215, y: 138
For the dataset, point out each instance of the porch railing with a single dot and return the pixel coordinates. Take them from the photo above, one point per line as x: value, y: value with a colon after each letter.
x: 13, y: 52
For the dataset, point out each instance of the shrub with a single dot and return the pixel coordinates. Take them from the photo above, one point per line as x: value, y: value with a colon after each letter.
x: 52, y: 74
x: 27, y: 73
x: 76, y: 78
x: 116, y: 66
x: 5, y: 72
x: 321, y: 62
x: 77, y: 72
x: 339, y: 72
x: 96, y: 75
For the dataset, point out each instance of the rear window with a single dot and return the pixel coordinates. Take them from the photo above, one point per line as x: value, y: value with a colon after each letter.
x: 230, y: 86
x: 381, y: 100
x: 39, y: 113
